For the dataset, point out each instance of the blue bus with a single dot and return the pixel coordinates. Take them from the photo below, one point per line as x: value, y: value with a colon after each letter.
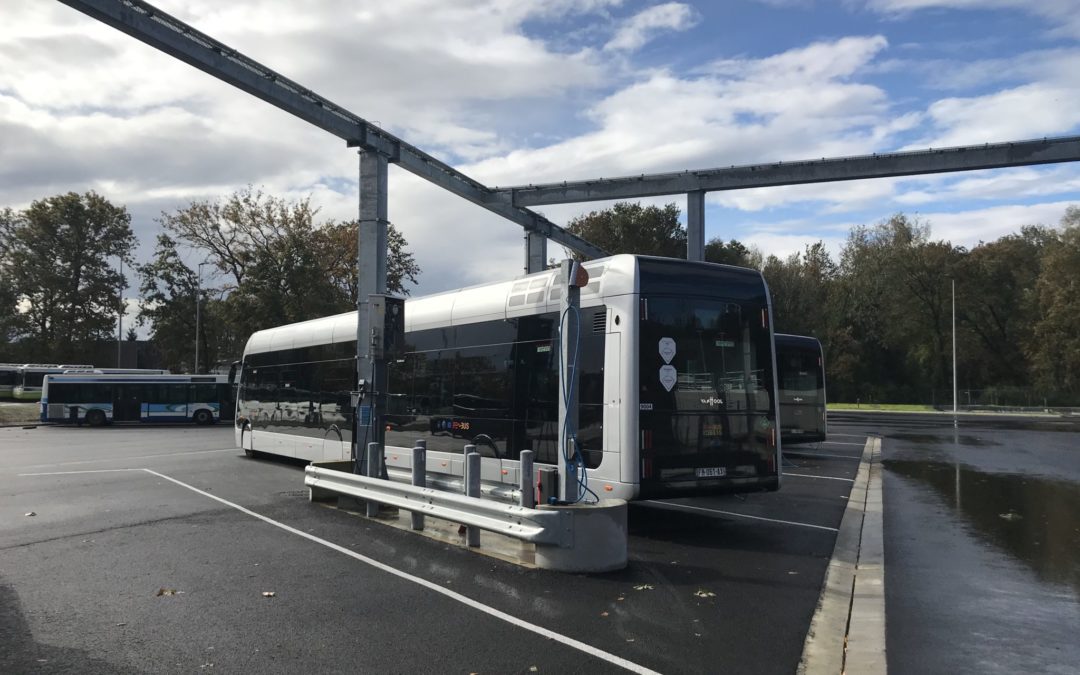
x: 99, y: 399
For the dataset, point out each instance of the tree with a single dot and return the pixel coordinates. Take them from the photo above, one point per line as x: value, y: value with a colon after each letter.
x: 274, y: 265
x: 59, y: 255
x: 1055, y: 350
x: 10, y: 322
x: 632, y: 228
x: 733, y: 253
x: 131, y: 335
x: 998, y: 306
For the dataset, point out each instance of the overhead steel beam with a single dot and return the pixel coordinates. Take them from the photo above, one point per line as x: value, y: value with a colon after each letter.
x: 168, y: 34
x: 944, y: 160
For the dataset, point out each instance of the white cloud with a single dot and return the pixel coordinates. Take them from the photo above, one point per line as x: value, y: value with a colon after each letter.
x: 639, y: 29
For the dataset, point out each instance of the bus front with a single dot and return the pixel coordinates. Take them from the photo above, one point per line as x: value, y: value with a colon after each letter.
x: 707, y: 389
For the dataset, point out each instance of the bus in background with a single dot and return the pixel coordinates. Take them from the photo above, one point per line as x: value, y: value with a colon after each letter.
x: 678, y: 393
x: 800, y: 369
x: 97, y: 398
x: 30, y: 375
x: 9, y: 373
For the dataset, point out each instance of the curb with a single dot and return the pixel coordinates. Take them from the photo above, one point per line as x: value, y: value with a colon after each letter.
x: 847, y: 632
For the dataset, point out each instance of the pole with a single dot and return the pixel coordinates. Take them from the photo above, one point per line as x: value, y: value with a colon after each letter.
x: 198, y: 311
x: 954, y: 406
x: 695, y: 225
x: 120, y: 318
x: 570, y: 337
x: 371, y: 247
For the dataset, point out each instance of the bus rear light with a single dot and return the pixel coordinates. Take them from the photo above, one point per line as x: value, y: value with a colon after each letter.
x: 644, y: 309
x: 646, y: 467
x: 646, y: 440
x: 763, y: 324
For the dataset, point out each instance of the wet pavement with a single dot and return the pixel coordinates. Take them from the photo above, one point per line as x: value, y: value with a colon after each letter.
x: 982, y: 542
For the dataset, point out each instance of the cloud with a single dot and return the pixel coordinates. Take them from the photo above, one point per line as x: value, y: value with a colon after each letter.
x: 639, y: 29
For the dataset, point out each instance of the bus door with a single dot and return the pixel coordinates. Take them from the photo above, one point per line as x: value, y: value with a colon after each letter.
x: 127, y: 404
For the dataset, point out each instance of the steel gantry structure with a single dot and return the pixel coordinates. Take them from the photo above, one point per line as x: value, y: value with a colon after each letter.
x: 694, y: 184
x: 378, y: 148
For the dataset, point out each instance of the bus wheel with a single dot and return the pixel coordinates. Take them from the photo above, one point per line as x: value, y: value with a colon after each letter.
x: 202, y: 417
x: 95, y: 418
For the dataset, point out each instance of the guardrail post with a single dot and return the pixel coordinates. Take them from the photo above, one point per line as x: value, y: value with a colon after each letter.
x: 472, y: 489
x: 373, y: 456
x: 527, y: 481
x: 419, y: 479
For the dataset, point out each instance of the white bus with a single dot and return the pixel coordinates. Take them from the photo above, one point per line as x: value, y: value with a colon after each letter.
x: 97, y: 398
x: 30, y: 375
x: 9, y: 373
x: 678, y: 387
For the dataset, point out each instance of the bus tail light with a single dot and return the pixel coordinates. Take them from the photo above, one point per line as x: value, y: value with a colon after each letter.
x: 646, y: 467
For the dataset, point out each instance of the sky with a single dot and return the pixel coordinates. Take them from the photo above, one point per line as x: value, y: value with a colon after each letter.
x: 523, y: 91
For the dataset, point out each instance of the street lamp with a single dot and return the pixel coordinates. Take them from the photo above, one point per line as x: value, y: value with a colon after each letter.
x: 954, y: 410
x: 198, y: 312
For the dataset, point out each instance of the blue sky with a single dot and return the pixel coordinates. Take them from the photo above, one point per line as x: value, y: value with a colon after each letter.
x: 520, y: 91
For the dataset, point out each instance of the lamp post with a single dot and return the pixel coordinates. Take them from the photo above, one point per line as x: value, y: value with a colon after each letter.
x: 954, y: 407
x: 198, y: 312
x: 120, y: 317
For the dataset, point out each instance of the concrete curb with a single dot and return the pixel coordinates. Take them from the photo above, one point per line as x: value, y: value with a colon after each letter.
x: 847, y: 632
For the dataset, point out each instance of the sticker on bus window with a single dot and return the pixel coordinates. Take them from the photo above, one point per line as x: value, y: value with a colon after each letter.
x: 725, y: 343
x: 645, y: 406
x: 667, y: 350
x: 668, y: 377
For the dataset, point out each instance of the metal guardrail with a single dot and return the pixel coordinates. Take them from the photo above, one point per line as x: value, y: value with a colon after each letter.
x: 535, y: 526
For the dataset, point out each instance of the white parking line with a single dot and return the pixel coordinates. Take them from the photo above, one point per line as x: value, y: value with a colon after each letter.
x: 130, y: 457
x: 491, y: 611
x: 842, y: 443
x: 737, y: 515
x: 71, y: 473
x: 818, y: 454
x: 810, y: 475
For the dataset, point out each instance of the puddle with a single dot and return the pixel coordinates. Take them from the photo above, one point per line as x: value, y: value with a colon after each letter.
x: 952, y: 439
x: 1034, y: 520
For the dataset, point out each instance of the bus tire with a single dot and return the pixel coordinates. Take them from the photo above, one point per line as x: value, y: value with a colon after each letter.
x: 202, y: 417
x: 95, y: 418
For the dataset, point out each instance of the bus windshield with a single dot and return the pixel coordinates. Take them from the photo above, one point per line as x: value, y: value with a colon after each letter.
x: 702, y: 355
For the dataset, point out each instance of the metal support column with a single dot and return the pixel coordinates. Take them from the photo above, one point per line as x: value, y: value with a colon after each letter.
x: 695, y: 225
x: 570, y: 338
x: 371, y: 279
x: 535, y: 252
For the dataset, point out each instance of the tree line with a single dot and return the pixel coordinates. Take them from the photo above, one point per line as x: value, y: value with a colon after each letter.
x: 251, y: 259
x: 881, y: 307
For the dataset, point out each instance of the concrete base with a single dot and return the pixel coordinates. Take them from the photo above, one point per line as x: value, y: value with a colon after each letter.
x: 600, y: 539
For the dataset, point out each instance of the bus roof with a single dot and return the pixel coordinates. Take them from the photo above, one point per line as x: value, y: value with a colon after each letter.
x: 524, y: 296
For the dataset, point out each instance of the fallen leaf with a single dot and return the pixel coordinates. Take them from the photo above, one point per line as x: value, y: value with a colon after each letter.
x: 620, y: 598
x: 643, y: 587
x: 534, y: 669
x: 166, y: 591
x: 30, y: 513
x: 122, y: 623
x: 1011, y: 515
x: 603, y: 613
x: 629, y: 639
x: 702, y: 593
x: 269, y: 594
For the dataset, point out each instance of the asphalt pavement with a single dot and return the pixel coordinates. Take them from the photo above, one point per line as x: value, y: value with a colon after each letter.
x: 154, y: 549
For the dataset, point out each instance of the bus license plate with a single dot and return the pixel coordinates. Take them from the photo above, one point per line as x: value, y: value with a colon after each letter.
x: 712, y: 472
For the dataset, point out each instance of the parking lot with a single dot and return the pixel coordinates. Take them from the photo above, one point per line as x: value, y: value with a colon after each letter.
x: 155, y: 549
